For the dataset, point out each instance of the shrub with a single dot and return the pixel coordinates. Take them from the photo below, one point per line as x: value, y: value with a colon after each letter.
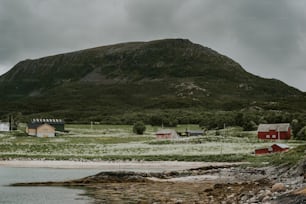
x: 139, y: 128
x: 19, y: 134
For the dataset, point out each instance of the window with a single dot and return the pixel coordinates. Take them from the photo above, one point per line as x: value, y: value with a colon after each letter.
x: 268, y: 136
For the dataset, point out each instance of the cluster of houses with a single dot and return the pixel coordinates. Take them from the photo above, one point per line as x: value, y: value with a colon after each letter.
x: 39, y: 127
x: 280, y: 131
x: 274, y: 132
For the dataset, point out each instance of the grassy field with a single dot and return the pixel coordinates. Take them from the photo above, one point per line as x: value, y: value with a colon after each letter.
x: 117, y: 142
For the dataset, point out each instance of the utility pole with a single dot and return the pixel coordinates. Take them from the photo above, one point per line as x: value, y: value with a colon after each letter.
x: 278, y: 134
x: 222, y: 136
x: 10, y: 122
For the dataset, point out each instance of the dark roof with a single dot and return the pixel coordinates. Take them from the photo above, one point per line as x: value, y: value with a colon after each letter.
x: 34, y: 125
x: 195, y: 131
x: 48, y: 121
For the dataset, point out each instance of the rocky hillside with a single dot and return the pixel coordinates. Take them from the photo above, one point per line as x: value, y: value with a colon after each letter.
x: 136, y: 76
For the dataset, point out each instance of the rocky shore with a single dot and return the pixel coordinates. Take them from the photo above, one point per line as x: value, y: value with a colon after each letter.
x: 209, y: 184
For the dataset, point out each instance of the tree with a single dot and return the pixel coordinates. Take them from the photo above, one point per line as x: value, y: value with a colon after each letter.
x: 301, y: 135
x: 297, y: 125
x: 156, y: 120
x: 239, y: 119
x: 249, y: 126
x: 139, y: 128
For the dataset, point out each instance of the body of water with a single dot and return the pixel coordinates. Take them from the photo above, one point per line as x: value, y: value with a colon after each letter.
x: 41, y: 195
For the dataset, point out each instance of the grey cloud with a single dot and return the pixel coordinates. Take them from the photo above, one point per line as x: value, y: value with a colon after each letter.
x: 156, y: 16
x: 265, y: 36
x: 270, y: 30
x: 34, y: 27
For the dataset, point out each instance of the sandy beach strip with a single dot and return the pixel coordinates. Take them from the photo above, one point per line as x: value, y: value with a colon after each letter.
x: 112, y: 166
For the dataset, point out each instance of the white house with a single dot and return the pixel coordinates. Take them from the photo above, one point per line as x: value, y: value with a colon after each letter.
x: 4, y: 127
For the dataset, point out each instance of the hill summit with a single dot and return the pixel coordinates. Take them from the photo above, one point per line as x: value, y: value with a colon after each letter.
x: 135, y: 76
x: 129, y: 61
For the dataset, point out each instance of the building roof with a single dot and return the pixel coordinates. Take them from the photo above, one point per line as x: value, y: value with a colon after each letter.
x: 282, y: 127
x: 195, y: 131
x: 283, y: 146
x: 47, y: 120
x: 37, y: 125
x: 33, y: 125
x: 165, y: 131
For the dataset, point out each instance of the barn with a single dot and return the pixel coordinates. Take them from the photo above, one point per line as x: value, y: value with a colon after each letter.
x: 166, y: 134
x: 41, y: 130
x: 4, y: 127
x: 280, y: 131
x: 272, y: 149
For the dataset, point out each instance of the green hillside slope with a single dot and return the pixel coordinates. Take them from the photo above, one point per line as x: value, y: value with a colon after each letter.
x: 170, y: 74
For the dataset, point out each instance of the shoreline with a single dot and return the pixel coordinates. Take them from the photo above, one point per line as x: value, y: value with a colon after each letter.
x: 154, y: 166
x: 207, y: 181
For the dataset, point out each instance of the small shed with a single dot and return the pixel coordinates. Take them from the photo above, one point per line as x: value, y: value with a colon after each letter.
x: 4, y: 126
x: 272, y: 149
x: 41, y: 130
x: 166, y: 134
x: 280, y: 131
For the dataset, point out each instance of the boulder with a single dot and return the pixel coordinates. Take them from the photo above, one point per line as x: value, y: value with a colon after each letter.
x: 266, y: 199
x: 278, y: 187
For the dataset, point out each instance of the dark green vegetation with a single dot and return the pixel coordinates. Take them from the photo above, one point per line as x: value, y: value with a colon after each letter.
x: 139, y: 128
x: 205, y: 158
x: 166, y: 81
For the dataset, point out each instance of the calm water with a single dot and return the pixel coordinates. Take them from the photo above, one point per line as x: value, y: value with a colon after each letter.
x: 41, y: 195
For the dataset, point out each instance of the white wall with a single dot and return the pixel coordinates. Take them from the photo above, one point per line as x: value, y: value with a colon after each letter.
x: 4, y: 127
x: 46, y: 134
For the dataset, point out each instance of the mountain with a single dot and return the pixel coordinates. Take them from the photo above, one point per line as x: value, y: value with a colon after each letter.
x: 169, y: 74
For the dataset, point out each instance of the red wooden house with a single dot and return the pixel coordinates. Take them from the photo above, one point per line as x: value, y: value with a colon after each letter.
x: 272, y: 149
x: 280, y: 131
x: 262, y: 151
x: 280, y: 148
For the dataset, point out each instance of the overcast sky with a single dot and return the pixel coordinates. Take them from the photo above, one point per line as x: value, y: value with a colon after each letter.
x: 267, y: 37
